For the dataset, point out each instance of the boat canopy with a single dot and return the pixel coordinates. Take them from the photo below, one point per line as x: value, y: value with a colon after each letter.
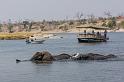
x: 96, y: 27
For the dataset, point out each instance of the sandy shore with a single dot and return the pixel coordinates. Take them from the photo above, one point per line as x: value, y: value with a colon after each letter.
x: 120, y: 30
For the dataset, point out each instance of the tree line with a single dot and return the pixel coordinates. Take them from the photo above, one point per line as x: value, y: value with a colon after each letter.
x: 44, y: 25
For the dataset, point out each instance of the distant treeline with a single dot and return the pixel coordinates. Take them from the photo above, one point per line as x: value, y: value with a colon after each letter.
x: 64, y: 25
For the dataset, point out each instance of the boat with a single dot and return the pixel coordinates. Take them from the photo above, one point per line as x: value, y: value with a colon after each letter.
x: 40, y: 38
x: 89, y: 37
x: 35, y: 39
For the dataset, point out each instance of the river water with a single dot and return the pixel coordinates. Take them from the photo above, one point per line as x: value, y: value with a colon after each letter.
x: 73, y: 71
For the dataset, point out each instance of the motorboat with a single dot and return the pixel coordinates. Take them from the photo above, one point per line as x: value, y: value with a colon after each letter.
x: 35, y: 39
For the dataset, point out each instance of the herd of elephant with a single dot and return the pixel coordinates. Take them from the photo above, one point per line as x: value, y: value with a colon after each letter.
x: 46, y: 57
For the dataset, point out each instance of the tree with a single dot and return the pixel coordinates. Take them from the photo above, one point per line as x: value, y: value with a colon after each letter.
x: 19, y: 24
x: 25, y: 23
x: 1, y: 27
x: 112, y: 23
x: 42, y: 27
x: 104, y: 24
x: 80, y: 17
x: 91, y: 18
x: 10, y: 26
x: 108, y: 14
x: 64, y: 27
x: 30, y: 26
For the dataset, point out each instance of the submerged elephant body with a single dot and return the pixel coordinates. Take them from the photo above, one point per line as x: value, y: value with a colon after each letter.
x: 92, y: 56
x: 62, y: 57
x: 45, y: 56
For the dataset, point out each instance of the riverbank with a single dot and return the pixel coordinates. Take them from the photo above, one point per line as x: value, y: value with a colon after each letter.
x: 24, y: 35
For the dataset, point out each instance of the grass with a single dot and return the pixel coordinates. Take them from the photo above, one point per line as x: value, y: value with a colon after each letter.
x: 15, y: 36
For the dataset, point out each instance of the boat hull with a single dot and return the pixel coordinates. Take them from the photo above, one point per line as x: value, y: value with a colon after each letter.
x: 90, y: 40
x: 38, y: 42
x: 35, y: 42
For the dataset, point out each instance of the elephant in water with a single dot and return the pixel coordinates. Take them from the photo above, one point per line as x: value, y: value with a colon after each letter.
x: 45, y: 56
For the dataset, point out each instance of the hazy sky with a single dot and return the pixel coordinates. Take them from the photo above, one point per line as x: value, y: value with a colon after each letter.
x: 56, y: 9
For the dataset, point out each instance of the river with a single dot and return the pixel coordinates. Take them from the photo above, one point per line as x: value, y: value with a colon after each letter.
x: 73, y: 71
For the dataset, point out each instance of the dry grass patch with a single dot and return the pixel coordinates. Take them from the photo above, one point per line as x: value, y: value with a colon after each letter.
x: 15, y: 36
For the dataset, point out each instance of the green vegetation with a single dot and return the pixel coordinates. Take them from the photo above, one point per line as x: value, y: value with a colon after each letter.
x: 30, y: 26
x: 122, y: 24
x: 1, y: 27
x: 10, y: 27
x: 104, y: 24
x: 25, y: 23
x: 112, y: 23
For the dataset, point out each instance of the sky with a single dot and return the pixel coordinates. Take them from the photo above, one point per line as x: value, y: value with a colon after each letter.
x: 56, y: 9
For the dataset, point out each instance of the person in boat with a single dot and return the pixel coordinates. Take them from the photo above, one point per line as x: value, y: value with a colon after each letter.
x: 32, y: 40
x: 27, y: 40
x: 105, y: 33
x: 93, y: 32
x: 85, y: 32
x: 98, y: 34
